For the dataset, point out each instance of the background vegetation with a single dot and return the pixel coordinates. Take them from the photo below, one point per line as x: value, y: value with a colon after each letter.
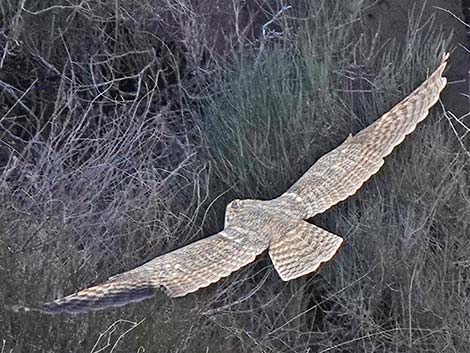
x: 126, y: 126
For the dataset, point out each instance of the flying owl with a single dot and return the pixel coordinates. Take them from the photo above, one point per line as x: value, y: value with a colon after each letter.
x: 295, y: 246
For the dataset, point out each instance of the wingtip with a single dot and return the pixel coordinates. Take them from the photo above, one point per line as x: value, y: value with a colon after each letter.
x: 18, y: 308
x: 444, y: 63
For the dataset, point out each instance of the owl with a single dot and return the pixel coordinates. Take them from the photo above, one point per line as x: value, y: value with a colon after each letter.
x: 295, y: 246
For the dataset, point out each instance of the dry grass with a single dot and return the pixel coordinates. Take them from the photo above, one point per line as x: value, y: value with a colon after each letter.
x: 126, y: 126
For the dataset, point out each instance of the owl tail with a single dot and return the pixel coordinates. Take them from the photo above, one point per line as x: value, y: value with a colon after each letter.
x: 106, y: 295
x: 302, y: 249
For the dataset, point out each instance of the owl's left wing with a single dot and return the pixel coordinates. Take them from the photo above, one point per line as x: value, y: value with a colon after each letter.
x: 341, y: 172
x: 178, y: 273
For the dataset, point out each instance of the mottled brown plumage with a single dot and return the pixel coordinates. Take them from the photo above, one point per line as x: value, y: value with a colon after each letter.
x: 296, y: 247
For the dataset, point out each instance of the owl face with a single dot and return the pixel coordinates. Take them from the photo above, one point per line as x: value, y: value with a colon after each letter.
x: 237, y: 208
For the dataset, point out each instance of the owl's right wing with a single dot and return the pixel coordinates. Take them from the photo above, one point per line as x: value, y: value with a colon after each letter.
x: 178, y: 273
x: 341, y: 172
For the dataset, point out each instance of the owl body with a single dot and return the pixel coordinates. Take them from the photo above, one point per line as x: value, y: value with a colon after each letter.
x: 261, y: 214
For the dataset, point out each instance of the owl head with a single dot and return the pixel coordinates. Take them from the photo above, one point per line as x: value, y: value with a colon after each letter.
x: 237, y: 208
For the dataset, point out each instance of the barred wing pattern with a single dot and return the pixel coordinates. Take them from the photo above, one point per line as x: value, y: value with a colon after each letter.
x: 178, y: 273
x: 340, y: 173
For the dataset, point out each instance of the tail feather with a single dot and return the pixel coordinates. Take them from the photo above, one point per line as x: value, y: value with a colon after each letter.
x: 302, y: 249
